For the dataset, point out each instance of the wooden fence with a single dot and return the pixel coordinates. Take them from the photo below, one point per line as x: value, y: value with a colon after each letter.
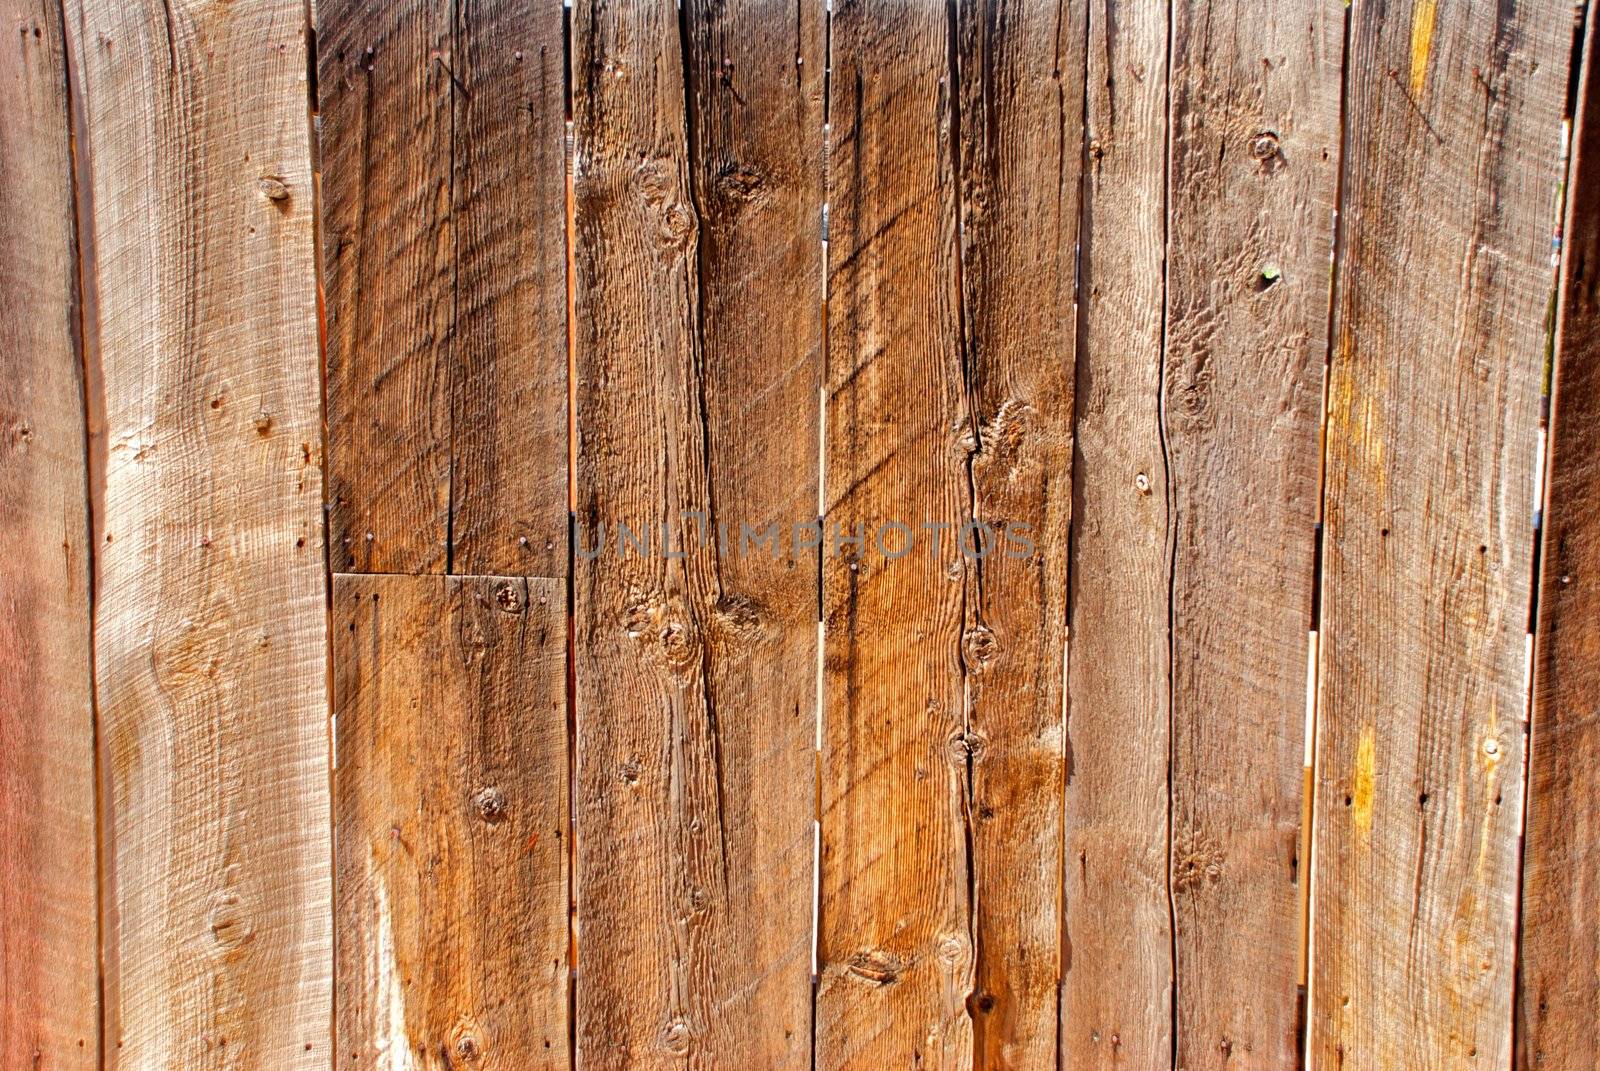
x: 1004, y: 535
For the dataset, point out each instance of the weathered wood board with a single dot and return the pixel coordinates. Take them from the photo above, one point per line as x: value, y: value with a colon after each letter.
x: 697, y: 139
x: 1443, y: 287
x: 443, y: 177
x: 49, y: 957
x: 1558, y: 990
x: 1116, y: 999
x: 450, y: 799
x: 1253, y: 175
x: 210, y: 603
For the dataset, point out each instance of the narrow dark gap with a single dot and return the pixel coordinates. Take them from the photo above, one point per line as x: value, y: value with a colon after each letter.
x: 1576, y: 115
x: 569, y: 226
x: 1319, y: 575
x: 83, y: 324
x: 454, y: 393
x: 1172, y: 533
x: 822, y: 475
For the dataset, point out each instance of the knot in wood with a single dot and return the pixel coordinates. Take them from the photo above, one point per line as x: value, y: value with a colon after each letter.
x: 876, y: 967
x: 508, y: 596
x: 273, y: 188
x: 490, y: 803
x: 675, y: 1036
x: 979, y: 647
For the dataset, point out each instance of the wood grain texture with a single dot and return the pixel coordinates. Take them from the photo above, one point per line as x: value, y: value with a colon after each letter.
x: 49, y: 954
x: 1116, y: 1001
x: 389, y: 272
x: 1253, y: 179
x: 451, y: 821
x: 1558, y: 993
x: 1020, y: 123
x: 210, y: 626
x: 697, y: 197
x: 1444, y: 283
x: 443, y: 132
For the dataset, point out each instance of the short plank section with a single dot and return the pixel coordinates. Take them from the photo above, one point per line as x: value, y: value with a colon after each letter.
x: 443, y: 176
x: 1116, y: 999
x: 1444, y: 286
x: 1254, y: 176
x: 49, y: 959
x: 451, y: 821
x: 210, y: 613
x: 1020, y: 72
x: 697, y: 283
x: 1558, y: 991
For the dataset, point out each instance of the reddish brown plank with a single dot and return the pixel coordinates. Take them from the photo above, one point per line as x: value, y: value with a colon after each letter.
x: 1444, y: 282
x: 1253, y: 180
x: 451, y: 821
x: 1558, y: 992
x: 697, y: 282
x: 49, y: 955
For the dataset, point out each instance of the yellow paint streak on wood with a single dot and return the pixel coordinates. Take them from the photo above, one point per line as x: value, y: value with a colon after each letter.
x: 1423, y: 17
x: 1362, y: 783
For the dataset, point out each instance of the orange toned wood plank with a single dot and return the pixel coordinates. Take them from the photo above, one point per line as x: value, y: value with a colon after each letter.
x: 1558, y: 993
x: 451, y: 821
x: 1116, y: 999
x: 49, y: 954
x: 1444, y: 284
x: 697, y: 283
x: 210, y: 611
x: 1020, y: 68
x: 1253, y: 180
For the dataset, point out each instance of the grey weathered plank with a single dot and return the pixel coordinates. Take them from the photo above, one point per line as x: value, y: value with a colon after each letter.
x: 49, y: 955
x: 1116, y: 1001
x: 697, y: 276
x: 210, y: 626
x: 1255, y: 130
x: 449, y: 696
x: 1444, y: 282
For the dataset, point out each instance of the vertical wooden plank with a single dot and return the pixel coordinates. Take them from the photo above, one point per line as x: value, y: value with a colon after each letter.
x: 1116, y: 1004
x: 210, y: 626
x: 1443, y: 288
x: 895, y: 942
x: 508, y: 470
x: 697, y: 172
x: 49, y: 969
x: 1558, y: 993
x: 1253, y: 180
x: 451, y: 821
x: 389, y: 271
x: 444, y: 169
x: 1020, y: 72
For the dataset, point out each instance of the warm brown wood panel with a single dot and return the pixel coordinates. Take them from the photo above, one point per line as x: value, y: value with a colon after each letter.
x: 1558, y: 994
x: 1116, y: 1001
x: 698, y: 167
x: 49, y: 953
x: 1444, y: 284
x: 443, y: 173
x: 1020, y: 125
x: 451, y: 819
x: 1253, y: 180
x: 389, y: 273
x: 210, y: 610
x: 895, y: 947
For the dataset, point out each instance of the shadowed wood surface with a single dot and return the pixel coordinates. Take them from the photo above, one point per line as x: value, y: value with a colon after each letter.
x: 1116, y: 998
x: 697, y: 138
x: 1444, y: 284
x: 210, y: 609
x: 450, y: 812
x: 895, y: 946
x: 1253, y: 178
x: 1558, y: 990
x: 49, y: 973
